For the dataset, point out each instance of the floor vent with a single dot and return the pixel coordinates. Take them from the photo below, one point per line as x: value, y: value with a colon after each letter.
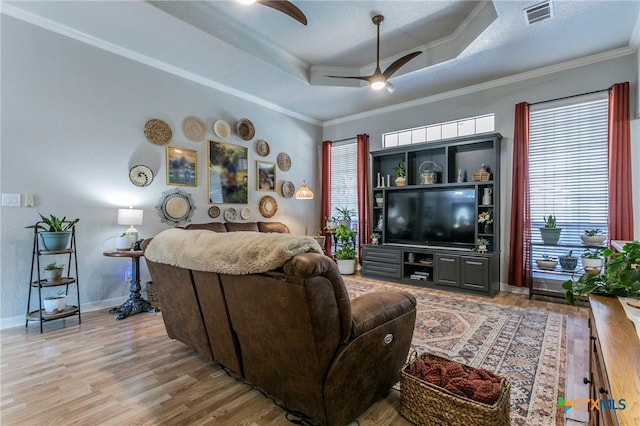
x: 538, y: 13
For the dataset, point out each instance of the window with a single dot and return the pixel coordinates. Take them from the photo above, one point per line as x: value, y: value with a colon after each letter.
x: 344, y: 187
x: 435, y: 132
x: 568, y: 166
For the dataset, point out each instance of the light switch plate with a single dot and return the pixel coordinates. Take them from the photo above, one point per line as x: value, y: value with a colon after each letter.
x: 28, y: 200
x: 11, y: 200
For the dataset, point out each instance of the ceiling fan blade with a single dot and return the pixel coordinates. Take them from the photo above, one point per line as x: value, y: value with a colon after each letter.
x: 285, y: 7
x: 390, y: 87
x: 391, y: 69
x: 353, y: 77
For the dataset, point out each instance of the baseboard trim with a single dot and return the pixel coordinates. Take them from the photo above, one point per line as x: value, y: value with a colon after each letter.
x: 86, y: 307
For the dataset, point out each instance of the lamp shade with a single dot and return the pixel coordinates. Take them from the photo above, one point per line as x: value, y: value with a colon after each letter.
x: 304, y: 192
x: 130, y: 216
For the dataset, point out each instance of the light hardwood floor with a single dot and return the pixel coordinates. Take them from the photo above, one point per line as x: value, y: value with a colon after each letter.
x: 130, y: 373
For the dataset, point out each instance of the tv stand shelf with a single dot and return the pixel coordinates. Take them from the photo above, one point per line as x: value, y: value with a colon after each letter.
x: 435, y: 215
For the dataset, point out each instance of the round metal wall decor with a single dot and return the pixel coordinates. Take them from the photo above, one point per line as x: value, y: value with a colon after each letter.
x: 288, y: 189
x: 175, y: 207
x: 230, y: 214
x: 140, y: 175
x: 214, y: 211
x: 245, y: 129
x: 158, y: 132
x: 262, y: 148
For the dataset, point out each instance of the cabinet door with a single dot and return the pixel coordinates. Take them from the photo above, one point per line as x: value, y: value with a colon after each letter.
x: 447, y: 270
x: 475, y: 273
x: 382, y: 254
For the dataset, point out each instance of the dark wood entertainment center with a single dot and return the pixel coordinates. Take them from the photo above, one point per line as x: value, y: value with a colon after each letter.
x: 456, y: 267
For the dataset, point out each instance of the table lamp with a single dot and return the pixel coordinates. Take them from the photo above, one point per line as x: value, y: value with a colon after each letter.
x: 130, y: 217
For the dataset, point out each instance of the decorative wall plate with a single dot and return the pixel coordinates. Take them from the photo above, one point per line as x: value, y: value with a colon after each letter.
x: 245, y: 129
x: 262, y: 148
x: 268, y: 206
x: 175, y: 206
x: 284, y: 162
x: 140, y: 175
x: 230, y: 214
x: 245, y: 213
x: 288, y: 189
x: 222, y: 129
x: 194, y: 129
x: 214, y: 211
x: 157, y: 132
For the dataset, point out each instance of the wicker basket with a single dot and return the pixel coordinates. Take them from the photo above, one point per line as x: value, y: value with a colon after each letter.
x: 426, y: 404
x: 481, y: 176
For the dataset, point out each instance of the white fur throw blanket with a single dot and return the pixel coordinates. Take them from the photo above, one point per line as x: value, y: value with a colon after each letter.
x: 233, y: 253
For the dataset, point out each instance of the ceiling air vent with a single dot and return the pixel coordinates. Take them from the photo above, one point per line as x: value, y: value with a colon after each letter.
x: 538, y: 13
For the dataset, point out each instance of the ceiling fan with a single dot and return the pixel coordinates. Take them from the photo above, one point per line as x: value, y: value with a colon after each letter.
x: 283, y: 6
x: 380, y: 79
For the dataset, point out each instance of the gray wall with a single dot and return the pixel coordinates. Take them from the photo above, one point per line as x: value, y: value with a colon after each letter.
x: 501, y: 101
x: 72, y: 123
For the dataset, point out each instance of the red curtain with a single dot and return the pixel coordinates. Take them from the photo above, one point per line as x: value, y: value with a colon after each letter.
x: 620, y: 191
x: 362, y: 157
x: 519, y: 244
x: 325, y: 200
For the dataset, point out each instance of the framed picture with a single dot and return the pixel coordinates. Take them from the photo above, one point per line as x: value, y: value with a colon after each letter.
x: 228, y: 171
x: 182, y: 166
x: 265, y: 176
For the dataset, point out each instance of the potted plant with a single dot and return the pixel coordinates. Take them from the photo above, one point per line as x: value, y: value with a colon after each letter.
x: 592, y: 237
x: 330, y: 223
x: 55, y: 304
x: 344, y: 216
x: 379, y: 199
x: 346, y: 253
x: 547, y: 262
x: 550, y: 233
x: 53, y: 272
x: 55, y: 232
x: 401, y: 173
x: 621, y: 278
x: 568, y: 262
x: 375, y: 238
x: 482, y: 243
x: 592, y: 260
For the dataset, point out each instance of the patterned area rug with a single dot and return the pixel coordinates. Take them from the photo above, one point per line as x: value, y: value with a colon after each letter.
x: 526, y: 346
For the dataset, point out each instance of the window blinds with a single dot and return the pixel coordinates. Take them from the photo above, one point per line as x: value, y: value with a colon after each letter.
x: 344, y: 190
x: 568, y: 168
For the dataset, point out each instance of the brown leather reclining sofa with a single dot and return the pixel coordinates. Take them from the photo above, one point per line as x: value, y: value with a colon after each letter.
x: 293, y: 332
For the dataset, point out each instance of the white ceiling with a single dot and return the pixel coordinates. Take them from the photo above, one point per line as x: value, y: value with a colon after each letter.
x: 263, y: 55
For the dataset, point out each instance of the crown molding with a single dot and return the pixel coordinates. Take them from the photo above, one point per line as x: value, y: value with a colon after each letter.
x: 551, y: 69
x: 47, y: 24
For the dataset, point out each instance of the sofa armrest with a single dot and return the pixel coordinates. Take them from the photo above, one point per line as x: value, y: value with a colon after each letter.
x: 374, y: 309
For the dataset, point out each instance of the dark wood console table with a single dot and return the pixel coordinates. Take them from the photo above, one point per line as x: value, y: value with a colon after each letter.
x: 614, y: 359
x: 135, y: 303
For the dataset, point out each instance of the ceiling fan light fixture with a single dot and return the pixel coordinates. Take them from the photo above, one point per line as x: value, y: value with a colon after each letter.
x: 378, y: 84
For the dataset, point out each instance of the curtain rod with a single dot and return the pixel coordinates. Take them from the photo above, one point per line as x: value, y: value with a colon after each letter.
x: 344, y: 140
x: 569, y: 97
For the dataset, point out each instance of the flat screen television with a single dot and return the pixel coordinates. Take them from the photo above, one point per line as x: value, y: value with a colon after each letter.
x: 431, y: 217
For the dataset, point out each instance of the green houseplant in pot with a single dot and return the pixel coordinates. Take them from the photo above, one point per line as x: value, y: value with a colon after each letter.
x: 621, y: 278
x: 592, y: 260
x: 55, y: 232
x: 401, y: 173
x: 568, y: 262
x: 593, y: 237
x: 55, y: 304
x: 550, y: 233
x: 53, y: 272
x: 344, y: 216
x: 346, y: 253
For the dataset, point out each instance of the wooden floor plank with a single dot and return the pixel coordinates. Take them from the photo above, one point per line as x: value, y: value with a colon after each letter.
x: 105, y: 371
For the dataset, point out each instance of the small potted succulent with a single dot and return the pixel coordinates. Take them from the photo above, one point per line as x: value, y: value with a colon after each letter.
x: 550, y: 233
x: 592, y: 260
x: 331, y: 223
x: 375, y: 238
x: 593, y: 237
x: 53, y: 272
x: 547, y: 262
x: 568, y: 262
x: 379, y: 199
x: 55, y: 304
